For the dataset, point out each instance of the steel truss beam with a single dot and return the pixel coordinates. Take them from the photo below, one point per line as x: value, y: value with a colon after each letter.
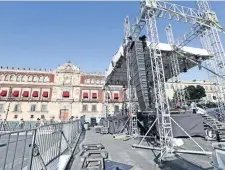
x: 131, y: 90
x: 169, y: 11
x: 149, y: 11
x: 211, y: 41
x: 180, y: 96
x: 172, y: 150
x: 196, y: 30
x: 161, y: 101
x: 131, y: 95
x: 217, y: 80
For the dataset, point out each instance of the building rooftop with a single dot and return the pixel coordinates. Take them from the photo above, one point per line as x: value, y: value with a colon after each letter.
x: 61, y: 67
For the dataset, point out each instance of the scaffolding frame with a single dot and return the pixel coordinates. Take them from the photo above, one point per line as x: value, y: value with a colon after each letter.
x: 204, y: 23
x: 180, y: 95
x: 132, y: 120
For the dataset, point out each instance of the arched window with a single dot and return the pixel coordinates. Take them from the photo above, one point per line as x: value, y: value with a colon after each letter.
x: 46, y: 79
x: 1, y: 77
x: 97, y: 81
x: 88, y: 81
x: 24, y: 78
x: 6, y: 77
x: 102, y: 81
x: 18, y: 78
x: 92, y: 81
x: 12, y: 78
x: 35, y: 79
x: 41, y: 79
x: 30, y: 78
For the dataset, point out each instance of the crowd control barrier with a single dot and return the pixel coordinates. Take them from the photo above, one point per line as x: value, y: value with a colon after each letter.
x: 40, y: 148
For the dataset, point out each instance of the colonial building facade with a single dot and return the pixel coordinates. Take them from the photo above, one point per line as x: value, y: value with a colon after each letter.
x: 210, y: 89
x: 65, y: 92
x: 60, y: 93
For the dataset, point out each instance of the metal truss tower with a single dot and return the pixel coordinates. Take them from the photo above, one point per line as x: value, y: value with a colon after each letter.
x: 211, y: 42
x: 106, y: 101
x: 180, y: 96
x: 204, y: 23
x: 130, y: 85
x: 161, y: 102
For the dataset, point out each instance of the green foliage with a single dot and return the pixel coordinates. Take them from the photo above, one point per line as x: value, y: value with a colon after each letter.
x: 192, y: 93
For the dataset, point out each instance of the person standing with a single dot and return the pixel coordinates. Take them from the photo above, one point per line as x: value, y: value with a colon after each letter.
x: 71, y: 118
x: 52, y: 120
x: 21, y: 124
x: 5, y: 125
x: 194, y: 107
x: 42, y: 122
x: 1, y: 124
x: 38, y: 122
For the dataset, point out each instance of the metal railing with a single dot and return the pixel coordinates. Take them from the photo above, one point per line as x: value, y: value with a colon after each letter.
x: 15, y: 125
x: 39, y: 148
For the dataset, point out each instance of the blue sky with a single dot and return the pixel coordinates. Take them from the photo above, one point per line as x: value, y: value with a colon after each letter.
x: 46, y: 34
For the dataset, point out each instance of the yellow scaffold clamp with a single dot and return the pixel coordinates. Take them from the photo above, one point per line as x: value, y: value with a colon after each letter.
x: 212, y: 17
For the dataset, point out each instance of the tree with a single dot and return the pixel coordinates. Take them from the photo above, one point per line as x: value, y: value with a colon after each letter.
x: 190, y: 92
x: 194, y: 93
x: 200, y: 90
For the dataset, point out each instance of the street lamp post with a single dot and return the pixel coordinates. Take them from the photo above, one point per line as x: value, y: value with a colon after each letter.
x: 10, y: 100
x: 7, y: 111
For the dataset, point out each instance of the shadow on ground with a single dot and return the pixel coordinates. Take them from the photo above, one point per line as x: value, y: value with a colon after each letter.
x: 111, y: 165
x: 76, y: 151
x: 180, y: 163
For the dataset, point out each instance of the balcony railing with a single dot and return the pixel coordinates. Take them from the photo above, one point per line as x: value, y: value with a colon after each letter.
x: 91, y: 112
x: 37, y: 111
x: 12, y: 98
x: 114, y: 100
x: 89, y: 99
x: 65, y: 99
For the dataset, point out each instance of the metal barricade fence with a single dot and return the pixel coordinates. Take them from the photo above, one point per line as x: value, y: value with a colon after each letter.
x: 14, y: 125
x: 38, y: 148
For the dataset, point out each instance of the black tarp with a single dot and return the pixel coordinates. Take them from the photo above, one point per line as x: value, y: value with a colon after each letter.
x: 191, y: 123
x: 103, y: 122
x: 116, y: 123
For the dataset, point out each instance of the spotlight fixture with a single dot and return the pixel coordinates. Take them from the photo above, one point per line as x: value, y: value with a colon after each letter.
x: 142, y: 38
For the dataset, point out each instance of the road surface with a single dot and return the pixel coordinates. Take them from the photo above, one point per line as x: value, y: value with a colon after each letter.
x: 19, y: 153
